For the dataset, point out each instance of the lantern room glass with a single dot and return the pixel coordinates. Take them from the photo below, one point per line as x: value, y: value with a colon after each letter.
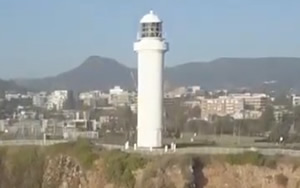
x: 152, y: 30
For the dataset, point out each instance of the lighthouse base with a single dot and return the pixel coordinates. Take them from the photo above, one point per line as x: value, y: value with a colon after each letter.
x: 149, y: 138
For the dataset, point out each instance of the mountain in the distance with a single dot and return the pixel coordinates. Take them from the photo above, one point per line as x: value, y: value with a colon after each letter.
x: 238, y: 72
x: 103, y: 73
x: 10, y: 86
x: 94, y: 73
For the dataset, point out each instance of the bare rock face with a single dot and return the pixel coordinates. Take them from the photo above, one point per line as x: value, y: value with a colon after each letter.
x: 171, y: 177
x: 247, y: 176
x: 63, y: 172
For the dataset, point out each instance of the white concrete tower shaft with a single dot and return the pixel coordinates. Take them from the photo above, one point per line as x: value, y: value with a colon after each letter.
x: 150, y: 48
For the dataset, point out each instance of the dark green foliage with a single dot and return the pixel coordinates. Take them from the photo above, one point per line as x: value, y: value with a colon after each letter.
x: 195, y: 112
x: 22, y: 167
x: 283, y: 99
x: 297, y: 118
x: 80, y: 150
x: 267, y: 118
x: 127, y: 121
x: 120, y: 167
x: 176, y: 118
x: 223, y: 125
x: 252, y: 158
x: 199, y: 126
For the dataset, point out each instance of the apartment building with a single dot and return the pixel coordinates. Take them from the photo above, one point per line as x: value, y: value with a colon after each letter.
x: 255, y: 101
x: 56, y: 99
x: 119, y: 97
x: 221, y: 106
x: 94, y: 98
x: 296, y: 100
x: 40, y: 99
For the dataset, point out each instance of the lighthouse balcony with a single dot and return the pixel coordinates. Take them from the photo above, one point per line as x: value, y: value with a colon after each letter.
x: 151, y: 44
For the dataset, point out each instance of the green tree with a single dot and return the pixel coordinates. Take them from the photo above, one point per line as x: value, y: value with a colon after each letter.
x: 284, y: 100
x: 267, y: 119
x: 176, y: 118
x: 279, y: 130
x: 297, y: 118
x: 200, y: 126
x: 251, y: 127
x: 282, y: 129
x: 223, y: 125
x: 126, y: 121
x: 195, y: 112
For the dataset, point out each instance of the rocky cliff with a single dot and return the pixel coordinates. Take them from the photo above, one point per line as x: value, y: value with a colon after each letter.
x: 73, y: 166
x: 64, y: 172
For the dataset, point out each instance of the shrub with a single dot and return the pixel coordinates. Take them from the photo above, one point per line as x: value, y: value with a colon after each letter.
x: 81, y: 150
x: 120, y: 167
x: 281, y: 180
x: 252, y: 158
x: 158, y: 167
x: 24, y: 166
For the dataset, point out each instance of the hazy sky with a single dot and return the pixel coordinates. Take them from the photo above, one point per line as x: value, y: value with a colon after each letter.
x: 46, y: 37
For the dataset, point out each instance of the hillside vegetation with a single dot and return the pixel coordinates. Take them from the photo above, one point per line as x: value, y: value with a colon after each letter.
x: 79, y: 164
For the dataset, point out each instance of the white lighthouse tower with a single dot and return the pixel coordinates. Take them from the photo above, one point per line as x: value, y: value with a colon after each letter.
x: 150, y: 48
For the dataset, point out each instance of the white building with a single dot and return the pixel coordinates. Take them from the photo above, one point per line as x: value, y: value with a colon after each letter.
x: 150, y: 48
x: 40, y: 99
x: 247, y: 114
x: 221, y: 106
x: 254, y: 101
x: 119, y: 97
x: 57, y: 99
x: 176, y: 93
x: 9, y: 96
x: 296, y: 100
x: 238, y: 106
x: 193, y: 89
x: 91, y: 94
x: 117, y: 90
x: 183, y: 91
x: 122, y: 99
x: 92, y: 97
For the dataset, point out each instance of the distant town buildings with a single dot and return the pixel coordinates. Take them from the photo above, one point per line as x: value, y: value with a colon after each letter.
x: 100, y: 110
x: 56, y: 100
x: 296, y: 100
x: 40, y: 99
x: 247, y: 114
x: 280, y: 111
x: 12, y: 95
x: 119, y: 97
x: 253, y: 101
x: 238, y: 106
x: 94, y: 98
x: 222, y: 106
x: 183, y: 91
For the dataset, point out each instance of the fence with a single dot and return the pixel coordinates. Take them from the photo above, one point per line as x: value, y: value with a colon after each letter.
x: 197, y: 150
x: 211, y: 151
x: 30, y: 142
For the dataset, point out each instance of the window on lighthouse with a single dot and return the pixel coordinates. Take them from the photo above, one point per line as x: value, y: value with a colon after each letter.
x: 151, y: 30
